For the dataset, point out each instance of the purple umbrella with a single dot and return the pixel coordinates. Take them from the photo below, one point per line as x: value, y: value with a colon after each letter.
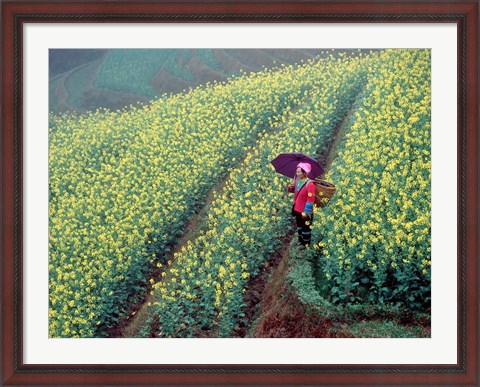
x: 286, y: 164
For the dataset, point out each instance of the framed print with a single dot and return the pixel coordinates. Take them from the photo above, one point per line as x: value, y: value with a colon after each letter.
x: 148, y: 236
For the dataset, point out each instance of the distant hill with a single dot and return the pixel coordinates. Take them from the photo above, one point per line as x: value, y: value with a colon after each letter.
x: 87, y: 79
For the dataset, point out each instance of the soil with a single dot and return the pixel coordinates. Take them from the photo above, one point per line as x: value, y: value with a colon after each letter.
x: 130, y: 325
x: 280, y: 312
x: 256, y: 291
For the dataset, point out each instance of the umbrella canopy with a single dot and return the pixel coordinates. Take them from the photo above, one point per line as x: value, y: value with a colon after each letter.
x: 286, y: 164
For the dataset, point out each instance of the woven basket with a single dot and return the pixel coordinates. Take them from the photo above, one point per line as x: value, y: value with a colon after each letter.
x: 323, y: 192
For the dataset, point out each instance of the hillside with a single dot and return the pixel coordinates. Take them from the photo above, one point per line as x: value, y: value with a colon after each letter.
x: 84, y: 80
x: 168, y: 220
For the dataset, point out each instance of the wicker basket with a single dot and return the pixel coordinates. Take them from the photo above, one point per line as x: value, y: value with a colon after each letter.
x: 323, y: 192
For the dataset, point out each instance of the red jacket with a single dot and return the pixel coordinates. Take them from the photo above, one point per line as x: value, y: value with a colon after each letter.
x: 304, y: 198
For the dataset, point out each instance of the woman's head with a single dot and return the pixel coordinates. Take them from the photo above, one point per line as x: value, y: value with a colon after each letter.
x: 300, y: 173
x: 303, y: 169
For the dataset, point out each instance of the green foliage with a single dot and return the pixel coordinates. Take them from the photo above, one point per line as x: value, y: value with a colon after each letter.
x: 374, y: 239
x: 378, y: 329
x: 302, y: 279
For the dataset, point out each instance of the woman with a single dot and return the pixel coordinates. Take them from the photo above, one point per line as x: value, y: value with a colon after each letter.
x: 303, y: 199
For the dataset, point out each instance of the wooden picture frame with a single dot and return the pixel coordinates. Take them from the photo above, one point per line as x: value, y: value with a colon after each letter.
x: 16, y: 13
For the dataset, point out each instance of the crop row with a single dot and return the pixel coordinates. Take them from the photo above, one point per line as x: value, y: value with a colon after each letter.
x: 375, y: 234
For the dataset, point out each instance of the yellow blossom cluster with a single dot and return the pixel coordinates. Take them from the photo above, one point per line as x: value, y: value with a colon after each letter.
x: 376, y: 230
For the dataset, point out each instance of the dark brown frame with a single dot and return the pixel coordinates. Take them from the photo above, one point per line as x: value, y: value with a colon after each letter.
x: 463, y: 12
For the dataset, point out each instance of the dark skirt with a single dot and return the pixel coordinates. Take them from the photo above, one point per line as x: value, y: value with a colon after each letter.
x: 304, y: 228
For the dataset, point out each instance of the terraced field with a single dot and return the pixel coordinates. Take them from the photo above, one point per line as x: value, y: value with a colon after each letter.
x: 84, y: 80
x: 164, y: 217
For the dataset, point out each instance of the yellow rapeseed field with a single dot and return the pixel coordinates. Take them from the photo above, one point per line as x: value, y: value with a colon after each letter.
x: 123, y: 184
x: 376, y: 233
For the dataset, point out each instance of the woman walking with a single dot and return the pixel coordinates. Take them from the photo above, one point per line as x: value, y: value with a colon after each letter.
x: 303, y: 200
